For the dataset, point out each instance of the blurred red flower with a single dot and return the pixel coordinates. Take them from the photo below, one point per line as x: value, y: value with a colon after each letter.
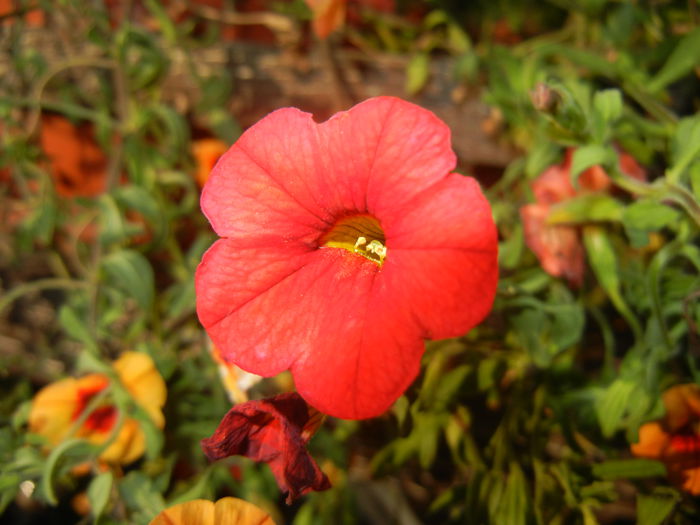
x: 346, y: 244
x: 558, y: 246
x: 675, y: 439
x: 274, y: 431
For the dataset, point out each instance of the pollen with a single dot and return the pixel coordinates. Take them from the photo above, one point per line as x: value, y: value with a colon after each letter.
x: 358, y: 234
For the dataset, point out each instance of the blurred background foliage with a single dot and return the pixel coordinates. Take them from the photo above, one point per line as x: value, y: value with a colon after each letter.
x: 111, y: 115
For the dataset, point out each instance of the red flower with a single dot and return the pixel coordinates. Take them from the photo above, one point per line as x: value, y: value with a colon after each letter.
x: 557, y: 246
x: 346, y: 244
x: 275, y: 431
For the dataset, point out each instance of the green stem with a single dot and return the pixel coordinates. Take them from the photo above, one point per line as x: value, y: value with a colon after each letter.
x: 35, y: 286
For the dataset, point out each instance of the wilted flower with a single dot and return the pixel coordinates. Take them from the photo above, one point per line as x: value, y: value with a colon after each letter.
x: 558, y: 246
x: 345, y: 245
x: 274, y: 431
x: 675, y: 439
x: 58, y: 407
x: 226, y: 511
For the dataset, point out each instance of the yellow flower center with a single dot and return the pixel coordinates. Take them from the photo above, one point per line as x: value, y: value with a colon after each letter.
x: 360, y: 234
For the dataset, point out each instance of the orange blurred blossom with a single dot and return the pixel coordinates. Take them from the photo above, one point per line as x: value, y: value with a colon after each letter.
x: 206, y: 152
x: 226, y: 511
x: 675, y: 439
x: 58, y: 407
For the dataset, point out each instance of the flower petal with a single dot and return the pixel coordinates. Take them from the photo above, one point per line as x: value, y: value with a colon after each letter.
x: 653, y: 441
x: 442, y: 257
x: 289, y: 178
x: 557, y: 247
x: 380, y: 154
x: 241, y: 302
x: 226, y: 511
x: 351, y: 348
x: 255, y: 189
x: 53, y: 409
x: 328, y: 15
x: 128, y: 446
x: 367, y: 344
x: 139, y: 375
x: 270, y: 430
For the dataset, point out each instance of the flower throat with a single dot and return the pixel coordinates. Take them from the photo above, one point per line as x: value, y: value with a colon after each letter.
x: 360, y: 234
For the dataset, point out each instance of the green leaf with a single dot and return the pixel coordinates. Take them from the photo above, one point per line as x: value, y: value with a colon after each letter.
x: 683, y: 59
x: 9, y: 483
x: 685, y: 148
x: 139, y: 199
x: 655, y: 508
x: 417, y: 72
x: 98, y: 493
x: 131, y: 272
x: 75, y: 326
x: 512, y: 507
x: 608, y: 104
x: 458, y: 39
x: 154, y: 436
x: 56, y: 460
x: 40, y: 224
x: 139, y: 494
x: 694, y: 175
x: 603, y: 260
x: 629, y: 469
x: 587, y: 208
x: 588, y: 156
x: 649, y: 215
x: 112, y: 227
x: 612, y: 405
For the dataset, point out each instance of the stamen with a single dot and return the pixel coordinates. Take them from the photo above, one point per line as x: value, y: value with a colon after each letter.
x: 360, y: 234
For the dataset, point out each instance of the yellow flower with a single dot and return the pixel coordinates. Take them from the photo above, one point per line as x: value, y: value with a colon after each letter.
x: 226, y: 511
x: 675, y: 439
x: 58, y: 407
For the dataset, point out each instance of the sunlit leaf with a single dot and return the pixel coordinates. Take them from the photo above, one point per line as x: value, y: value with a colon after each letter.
x: 629, y: 468
x: 99, y: 492
x: 417, y: 73
x: 683, y: 59
x: 131, y: 272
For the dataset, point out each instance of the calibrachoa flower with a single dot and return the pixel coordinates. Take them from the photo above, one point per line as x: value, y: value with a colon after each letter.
x: 226, y: 511
x: 57, y: 408
x: 345, y: 245
x: 558, y: 246
x: 675, y: 439
x: 274, y: 431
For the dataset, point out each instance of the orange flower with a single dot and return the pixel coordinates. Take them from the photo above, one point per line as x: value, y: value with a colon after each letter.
x: 328, y: 15
x: 206, y: 152
x: 226, y: 511
x: 675, y: 439
x: 77, y: 164
x: 58, y: 407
